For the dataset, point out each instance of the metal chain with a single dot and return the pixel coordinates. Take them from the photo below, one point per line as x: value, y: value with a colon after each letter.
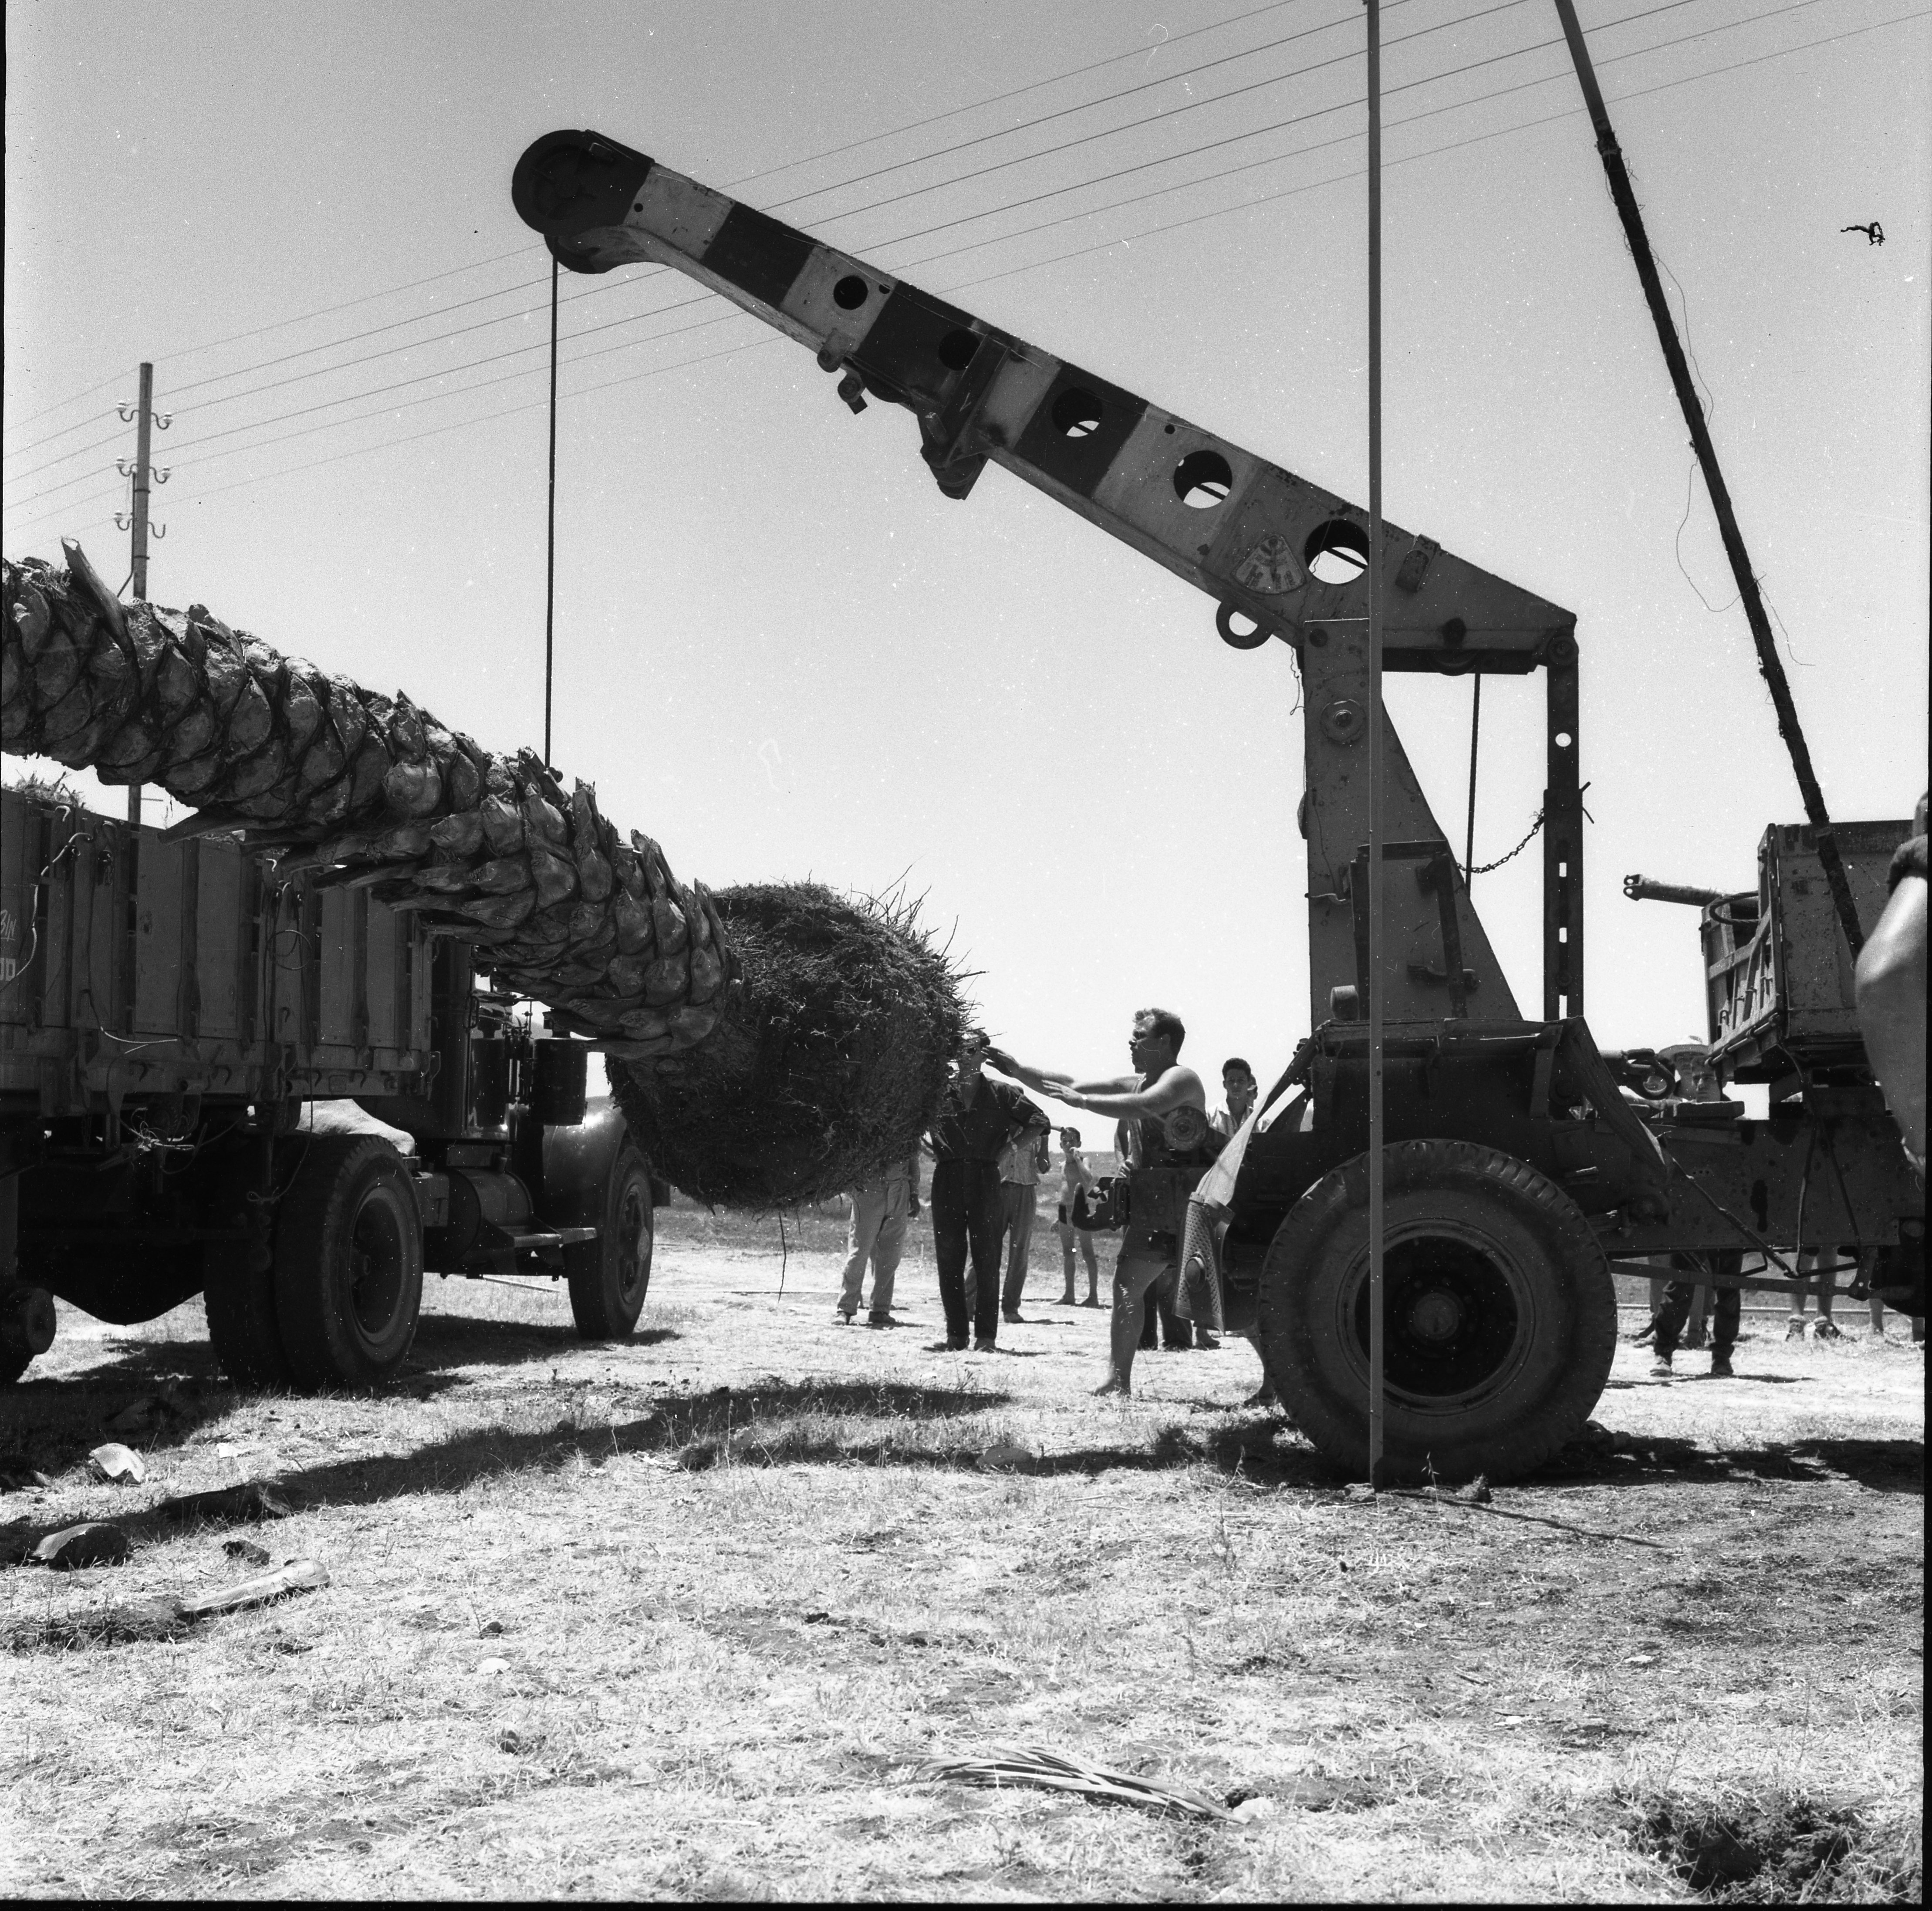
x: 1484, y: 869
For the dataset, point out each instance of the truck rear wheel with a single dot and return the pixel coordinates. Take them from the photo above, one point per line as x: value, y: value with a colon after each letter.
x: 1500, y: 1313
x: 609, y: 1276
x: 349, y: 1262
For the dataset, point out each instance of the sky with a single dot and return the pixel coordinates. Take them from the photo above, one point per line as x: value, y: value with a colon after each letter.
x: 783, y: 653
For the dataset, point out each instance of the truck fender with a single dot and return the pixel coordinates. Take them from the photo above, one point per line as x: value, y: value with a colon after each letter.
x: 577, y: 1166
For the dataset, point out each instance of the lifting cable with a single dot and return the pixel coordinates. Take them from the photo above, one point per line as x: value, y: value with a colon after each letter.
x: 1469, y: 835
x: 1471, y: 869
x: 550, y: 542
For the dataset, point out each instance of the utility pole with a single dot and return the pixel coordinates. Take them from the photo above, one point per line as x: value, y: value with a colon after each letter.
x: 1377, y: 1231
x: 143, y: 443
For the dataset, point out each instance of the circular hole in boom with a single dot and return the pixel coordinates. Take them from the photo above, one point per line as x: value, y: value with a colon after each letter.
x: 1337, y: 553
x: 849, y: 294
x: 956, y: 349
x: 1202, y: 480
x: 1076, y: 412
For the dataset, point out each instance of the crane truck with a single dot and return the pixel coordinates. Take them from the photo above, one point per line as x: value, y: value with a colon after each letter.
x: 1524, y: 1166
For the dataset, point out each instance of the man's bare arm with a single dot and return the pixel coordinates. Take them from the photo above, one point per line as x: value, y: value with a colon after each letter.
x: 1042, y: 1081
x: 1892, y: 1008
x: 1178, y: 1087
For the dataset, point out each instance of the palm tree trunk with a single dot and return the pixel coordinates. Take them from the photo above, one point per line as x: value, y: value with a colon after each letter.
x: 352, y: 787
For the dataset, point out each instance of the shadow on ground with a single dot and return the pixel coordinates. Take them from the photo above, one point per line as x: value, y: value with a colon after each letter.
x: 472, y: 1340
x: 1886, y: 1466
x: 49, y: 1424
x: 777, y: 1424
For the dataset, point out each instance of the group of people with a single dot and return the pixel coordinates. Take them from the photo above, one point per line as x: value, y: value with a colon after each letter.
x: 989, y: 1146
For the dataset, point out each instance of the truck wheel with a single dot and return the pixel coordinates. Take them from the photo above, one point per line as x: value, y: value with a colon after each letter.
x: 1501, y: 1314
x: 609, y: 1276
x: 349, y: 1262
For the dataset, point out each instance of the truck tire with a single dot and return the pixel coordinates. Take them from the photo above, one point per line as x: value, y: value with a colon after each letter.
x: 609, y: 1276
x: 1501, y: 1314
x: 349, y: 1262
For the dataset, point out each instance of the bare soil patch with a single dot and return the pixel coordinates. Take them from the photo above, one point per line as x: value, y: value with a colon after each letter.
x: 682, y: 1617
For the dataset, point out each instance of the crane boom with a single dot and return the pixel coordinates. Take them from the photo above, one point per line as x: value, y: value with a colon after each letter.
x: 1255, y: 538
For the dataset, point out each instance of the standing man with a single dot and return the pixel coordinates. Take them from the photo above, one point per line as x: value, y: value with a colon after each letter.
x: 1159, y: 1177
x: 1670, y: 1318
x: 1239, y: 1088
x: 880, y: 1209
x: 1075, y: 1175
x: 1020, y: 1167
x: 976, y: 1121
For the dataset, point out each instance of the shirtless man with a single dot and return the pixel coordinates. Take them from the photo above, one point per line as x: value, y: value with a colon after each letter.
x: 1158, y: 1087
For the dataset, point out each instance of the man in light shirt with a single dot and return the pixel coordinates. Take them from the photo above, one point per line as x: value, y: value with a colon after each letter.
x: 1239, y: 1088
x: 1076, y: 1174
x: 1025, y: 1160
x: 880, y: 1209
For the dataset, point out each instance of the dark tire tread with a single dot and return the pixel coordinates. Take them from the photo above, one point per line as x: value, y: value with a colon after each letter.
x: 1472, y: 1169
x: 598, y: 1309
x: 308, y: 1227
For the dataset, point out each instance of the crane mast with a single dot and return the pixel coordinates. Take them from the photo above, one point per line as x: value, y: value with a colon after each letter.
x: 1282, y: 558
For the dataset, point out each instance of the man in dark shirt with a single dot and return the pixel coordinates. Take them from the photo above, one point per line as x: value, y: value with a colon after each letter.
x: 976, y: 1120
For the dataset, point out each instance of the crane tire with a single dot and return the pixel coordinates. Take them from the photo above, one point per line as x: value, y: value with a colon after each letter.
x: 609, y: 1276
x: 1501, y: 1314
x: 348, y: 1261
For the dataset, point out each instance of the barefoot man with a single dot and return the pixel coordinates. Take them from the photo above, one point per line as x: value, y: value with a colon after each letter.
x: 1159, y: 1085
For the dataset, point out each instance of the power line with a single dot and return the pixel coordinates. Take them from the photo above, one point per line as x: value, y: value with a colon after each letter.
x: 21, y: 477
x: 1473, y: 66
x: 1128, y: 92
x: 324, y: 371
x: 79, y: 504
x: 79, y: 424
x: 1105, y: 245
x: 346, y: 304
x: 1276, y: 159
x: 702, y: 297
x: 47, y: 410
x: 1173, y: 225
x: 1477, y: 139
x: 403, y: 384
x: 1032, y: 86
x: 1503, y: 5
x: 367, y: 298
x: 309, y: 351
x: 790, y: 165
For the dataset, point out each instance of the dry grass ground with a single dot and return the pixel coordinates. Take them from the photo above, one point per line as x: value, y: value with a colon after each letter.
x: 679, y: 1617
